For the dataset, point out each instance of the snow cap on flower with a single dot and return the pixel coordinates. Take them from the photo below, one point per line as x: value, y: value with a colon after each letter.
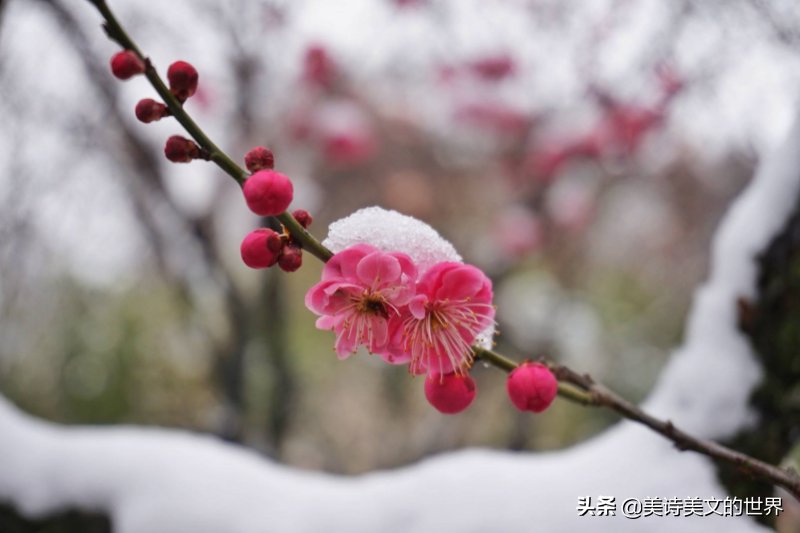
x: 261, y: 248
x: 126, y: 64
x: 531, y: 387
x: 390, y: 231
x: 450, y: 393
x: 361, y: 289
x: 183, y: 79
x: 268, y: 193
x: 452, y: 307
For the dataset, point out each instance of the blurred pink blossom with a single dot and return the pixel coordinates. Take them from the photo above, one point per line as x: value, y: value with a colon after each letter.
x: 495, y: 116
x: 518, y: 230
x: 494, y: 68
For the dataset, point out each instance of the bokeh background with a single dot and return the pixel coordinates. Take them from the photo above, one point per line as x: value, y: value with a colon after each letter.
x: 581, y: 153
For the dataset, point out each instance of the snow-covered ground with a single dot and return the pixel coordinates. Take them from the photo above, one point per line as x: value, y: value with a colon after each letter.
x: 158, y: 480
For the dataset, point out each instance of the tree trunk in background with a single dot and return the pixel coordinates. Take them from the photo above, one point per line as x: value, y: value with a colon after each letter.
x: 69, y: 522
x: 772, y: 323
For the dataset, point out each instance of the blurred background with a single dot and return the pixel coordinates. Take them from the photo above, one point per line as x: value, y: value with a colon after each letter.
x: 581, y: 153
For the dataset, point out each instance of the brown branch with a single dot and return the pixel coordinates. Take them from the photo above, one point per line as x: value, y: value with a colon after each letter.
x: 581, y: 388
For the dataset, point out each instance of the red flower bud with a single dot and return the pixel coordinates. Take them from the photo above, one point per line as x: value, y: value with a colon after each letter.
x: 291, y: 259
x: 259, y: 158
x: 532, y: 387
x: 303, y: 217
x: 259, y: 250
x: 182, y: 80
x: 268, y: 193
x: 148, y: 110
x: 275, y: 243
x: 126, y: 64
x: 181, y: 150
x: 450, y: 393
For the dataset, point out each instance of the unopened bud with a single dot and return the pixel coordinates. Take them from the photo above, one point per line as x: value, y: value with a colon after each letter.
x: 268, y: 193
x: 148, y: 110
x: 183, y: 79
x: 259, y: 158
x: 126, y: 64
x: 532, y: 387
x: 181, y: 150
x: 450, y: 393
x: 258, y: 249
x: 291, y: 259
x: 303, y: 217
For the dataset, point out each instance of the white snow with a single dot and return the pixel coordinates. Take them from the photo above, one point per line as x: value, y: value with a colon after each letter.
x: 391, y: 231
x: 158, y: 480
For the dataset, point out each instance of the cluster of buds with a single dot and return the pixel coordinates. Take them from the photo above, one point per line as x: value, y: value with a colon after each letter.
x: 264, y: 247
x: 269, y: 193
x: 183, y: 80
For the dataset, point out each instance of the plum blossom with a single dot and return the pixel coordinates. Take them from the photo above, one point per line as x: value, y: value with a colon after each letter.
x: 362, y: 288
x: 453, y: 305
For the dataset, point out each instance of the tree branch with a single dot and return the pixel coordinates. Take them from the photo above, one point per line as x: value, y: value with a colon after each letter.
x: 579, y: 388
x: 116, y: 33
x: 582, y: 389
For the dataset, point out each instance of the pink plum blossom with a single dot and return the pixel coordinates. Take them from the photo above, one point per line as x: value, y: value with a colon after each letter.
x: 452, y: 306
x: 362, y: 288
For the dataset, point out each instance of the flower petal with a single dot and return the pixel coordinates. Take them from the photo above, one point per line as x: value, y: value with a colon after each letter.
x: 408, y: 266
x: 329, y: 323
x: 461, y: 283
x: 379, y: 333
x: 328, y: 297
x: 343, y: 264
x: 417, y: 306
x: 347, y: 342
x: 379, y: 268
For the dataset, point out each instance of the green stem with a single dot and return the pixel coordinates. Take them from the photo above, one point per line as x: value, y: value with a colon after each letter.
x: 116, y: 33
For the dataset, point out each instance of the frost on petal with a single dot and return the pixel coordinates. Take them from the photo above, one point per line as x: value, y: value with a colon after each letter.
x: 391, y: 231
x: 486, y: 338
